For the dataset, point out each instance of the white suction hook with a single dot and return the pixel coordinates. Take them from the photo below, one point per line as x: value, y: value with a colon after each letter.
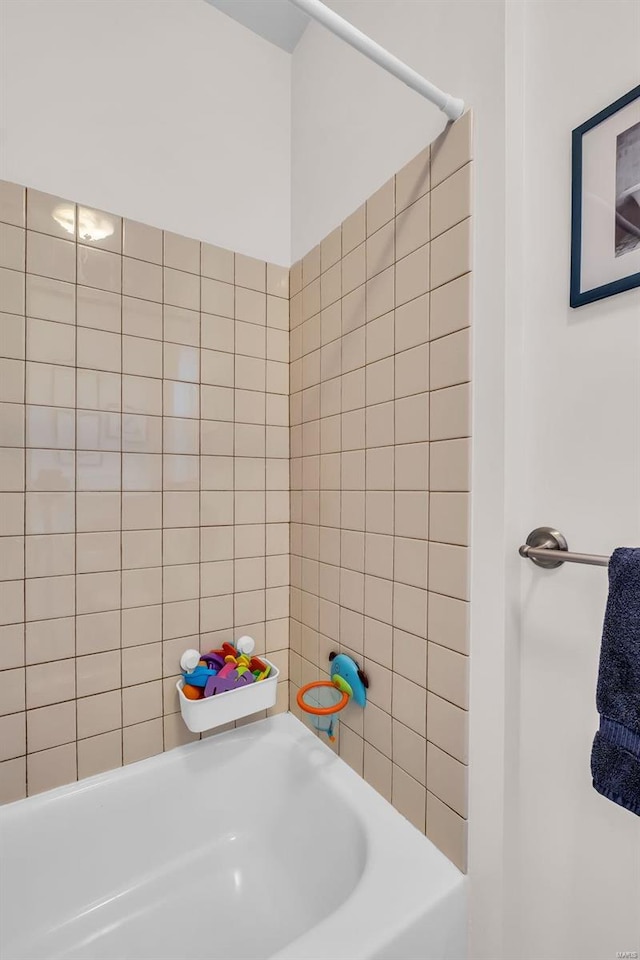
x: 189, y: 661
x: 246, y: 645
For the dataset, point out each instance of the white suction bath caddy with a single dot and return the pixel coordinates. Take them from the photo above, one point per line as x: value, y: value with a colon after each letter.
x: 200, y: 715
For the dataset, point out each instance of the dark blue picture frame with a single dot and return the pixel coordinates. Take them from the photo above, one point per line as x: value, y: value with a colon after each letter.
x: 577, y: 297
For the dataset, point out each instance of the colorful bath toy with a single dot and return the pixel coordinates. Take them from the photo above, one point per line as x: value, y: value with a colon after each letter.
x: 199, y: 676
x: 347, y: 676
x: 231, y: 681
x: 228, y: 669
x: 221, y: 670
x: 214, y: 661
x: 324, y: 699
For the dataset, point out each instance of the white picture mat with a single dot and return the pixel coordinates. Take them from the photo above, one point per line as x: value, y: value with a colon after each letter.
x: 599, y: 264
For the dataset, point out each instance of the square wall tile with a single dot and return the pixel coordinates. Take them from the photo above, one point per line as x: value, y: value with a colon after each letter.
x: 141, y: 241
x: 412, y: 227
x: 50, y: 555
x: 12, y: 395
x: 141, y: 280
x: 353, y: 269
x: 412, y: 323
x: 99, y: 309
x: 447, y: 830
x: 449, y: 518
x: 51, y: 726
x: 447, y: 726
x: 142, y: 318
x: 48, y: 683
x: 451, y: 200
x: 450, y: 465
x: 451, y: 306
x: 99, y: 754
x: 448, y: 622
x: 95, y: 228
x: 50, y: 384
x: 142, y: 740
x: 99, y: 714
x: 50, y: 214
x: 12, y: 646
x: 181, y: 289
x: 353, y: 230
x: 217, y: 263
x: 451, y: 254
x: 12, y: 341
x: 50, y: 342
x: 51, y: 768
x: 12, y: 295
x: 99, y: 268
x: 380, y: 207
x: 98, y: 673
x: 380, y: 250
x: 217, y: 297
x: 448, y: 570
x: 412, y: 275
x: 13, y: 780
x: 12, y: 745
x: 49, y: 597
x: 448, y: 675
x: 12, y: 203
x: 452, y: 149
x: 413, y: 181
x: 12, y: 247
x: 250, y: 272
x: 409, y: 797
x: 377, y: 770
x: 412, y: 371
x: 409, y: 751
x: 447, y: 779
x: 181, y: 253
x: 48, y: 640
x: 450, y: 413
x: 98, y: 350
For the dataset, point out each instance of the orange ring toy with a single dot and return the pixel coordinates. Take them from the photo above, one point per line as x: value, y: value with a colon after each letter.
x: 321, y: 711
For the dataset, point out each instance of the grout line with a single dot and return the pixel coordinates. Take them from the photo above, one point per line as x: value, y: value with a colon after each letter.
x: 234, y: 464
x: 199, y: 558
x: 121, y: 418
x: 75, y: 480
x: 24, y: 519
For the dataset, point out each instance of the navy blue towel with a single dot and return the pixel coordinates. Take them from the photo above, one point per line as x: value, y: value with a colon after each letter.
x: 615, y: 756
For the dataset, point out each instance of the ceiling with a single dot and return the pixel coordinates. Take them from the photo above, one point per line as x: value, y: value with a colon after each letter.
x: 276, y: 20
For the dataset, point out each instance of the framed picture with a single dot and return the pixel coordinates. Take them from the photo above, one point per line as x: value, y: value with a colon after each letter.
x: 605, y: 202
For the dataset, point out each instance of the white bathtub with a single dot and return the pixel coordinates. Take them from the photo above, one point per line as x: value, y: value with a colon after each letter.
x: 255, y: 843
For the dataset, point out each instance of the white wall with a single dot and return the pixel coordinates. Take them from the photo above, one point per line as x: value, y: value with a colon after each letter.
x: 576, y: 870
x: 353, y: 126
x: 166, y: 112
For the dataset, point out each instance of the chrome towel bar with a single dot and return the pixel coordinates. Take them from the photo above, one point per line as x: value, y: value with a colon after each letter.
x: 544, y: 544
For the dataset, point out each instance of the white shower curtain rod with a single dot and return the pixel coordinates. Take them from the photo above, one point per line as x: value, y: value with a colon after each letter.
x: 451, y: 106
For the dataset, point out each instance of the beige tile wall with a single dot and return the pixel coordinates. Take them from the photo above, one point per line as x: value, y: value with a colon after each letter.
x: 144, y: 479
x: 380, y: 428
